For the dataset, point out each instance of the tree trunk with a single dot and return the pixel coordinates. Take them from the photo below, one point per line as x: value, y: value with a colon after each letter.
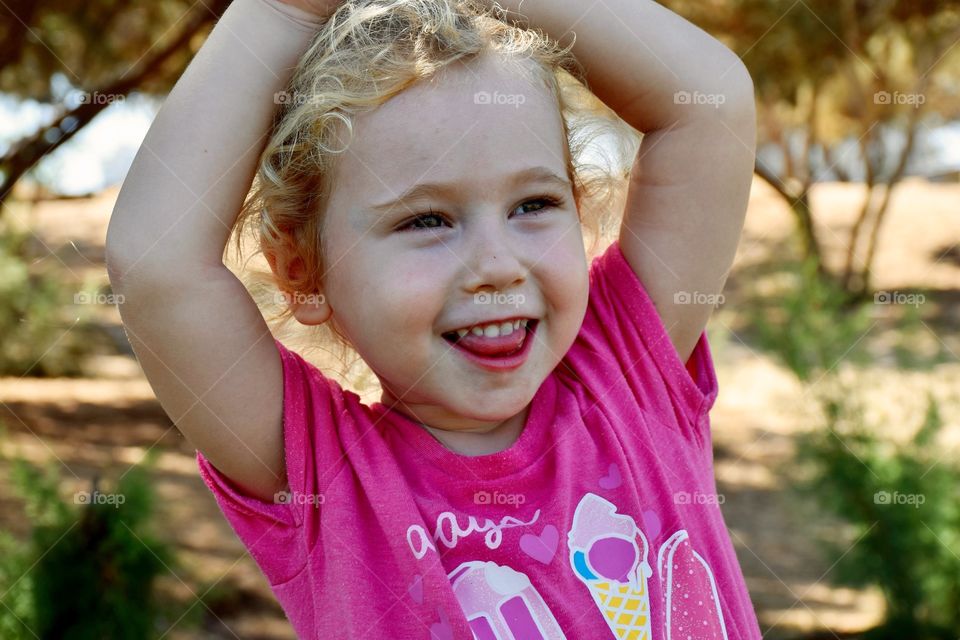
x: 865, y: 210
x: 895, y: 178
x: 829, y: 153
x: 18, y: 15
x: 799, y: 204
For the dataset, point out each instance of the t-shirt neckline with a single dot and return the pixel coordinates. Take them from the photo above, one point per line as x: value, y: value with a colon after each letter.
x: 528, y: 447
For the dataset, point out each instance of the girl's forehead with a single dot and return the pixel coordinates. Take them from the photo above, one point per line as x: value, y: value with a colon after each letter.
x: 485, y: 88
x: 487, y: 117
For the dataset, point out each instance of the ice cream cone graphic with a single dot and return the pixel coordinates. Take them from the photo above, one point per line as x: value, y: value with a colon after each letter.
x: 608, y: 553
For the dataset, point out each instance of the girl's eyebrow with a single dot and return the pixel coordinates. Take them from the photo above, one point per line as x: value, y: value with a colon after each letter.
x: 532, y: 174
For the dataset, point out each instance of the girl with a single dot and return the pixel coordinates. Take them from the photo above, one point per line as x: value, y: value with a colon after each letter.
x: 539, y: 465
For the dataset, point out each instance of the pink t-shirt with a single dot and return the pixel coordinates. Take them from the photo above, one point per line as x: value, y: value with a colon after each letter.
x: 600, y: 521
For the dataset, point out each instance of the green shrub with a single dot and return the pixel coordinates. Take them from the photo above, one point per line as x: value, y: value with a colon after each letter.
x: 44, y: 333
x: 16, y: 590
x: 902, y: 503
x: 94, y: 560
x: 810, y: 325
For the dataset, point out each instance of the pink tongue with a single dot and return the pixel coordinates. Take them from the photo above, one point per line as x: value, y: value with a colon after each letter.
x: 501, y: 345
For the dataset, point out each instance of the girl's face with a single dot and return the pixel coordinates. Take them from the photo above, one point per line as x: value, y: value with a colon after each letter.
x: 494, y: 247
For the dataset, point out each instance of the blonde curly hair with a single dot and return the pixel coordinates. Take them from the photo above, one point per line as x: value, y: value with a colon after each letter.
x: 366, y: 53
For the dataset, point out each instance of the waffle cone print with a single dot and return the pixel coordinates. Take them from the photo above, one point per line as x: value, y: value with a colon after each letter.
x: 608, y: 553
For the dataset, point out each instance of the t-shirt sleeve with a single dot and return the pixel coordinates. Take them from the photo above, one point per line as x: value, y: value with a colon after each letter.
x: 312, y: 453
x: 623, y: 335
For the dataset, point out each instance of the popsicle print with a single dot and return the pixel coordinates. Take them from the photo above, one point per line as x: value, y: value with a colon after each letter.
x: 502, y: 604
x: 691, y: 602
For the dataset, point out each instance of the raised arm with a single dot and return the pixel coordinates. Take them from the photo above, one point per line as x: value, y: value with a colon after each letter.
x: 198, y: 335
x: 693, y: 99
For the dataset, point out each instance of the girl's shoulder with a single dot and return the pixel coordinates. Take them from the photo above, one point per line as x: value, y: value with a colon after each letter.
x: 623, y: 345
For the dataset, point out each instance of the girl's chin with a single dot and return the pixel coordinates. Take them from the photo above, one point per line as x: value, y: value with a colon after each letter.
x: 495, y: 406
x: 460, y: 408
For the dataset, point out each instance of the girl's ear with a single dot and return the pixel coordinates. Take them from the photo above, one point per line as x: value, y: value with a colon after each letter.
x: 308, y: 308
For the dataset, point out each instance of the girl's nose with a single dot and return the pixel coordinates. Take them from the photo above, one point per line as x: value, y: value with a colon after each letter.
x: 494, y: 259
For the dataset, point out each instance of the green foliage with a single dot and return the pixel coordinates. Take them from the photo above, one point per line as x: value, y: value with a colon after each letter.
x: 902, y: 505
x: 95, y: 42
x: 911, y: 332
x: 38, y: 337
x: 811, y: 327
x: 93, y: 566
x: 16, y: 587
x: 787, y: 45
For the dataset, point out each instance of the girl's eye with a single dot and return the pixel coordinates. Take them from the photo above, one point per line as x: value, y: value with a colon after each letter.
x: 545, y: 202
x: 431, y: 220
x: 423, y: 221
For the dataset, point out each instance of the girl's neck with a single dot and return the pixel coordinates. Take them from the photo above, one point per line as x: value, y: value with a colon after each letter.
x: 496, y: 440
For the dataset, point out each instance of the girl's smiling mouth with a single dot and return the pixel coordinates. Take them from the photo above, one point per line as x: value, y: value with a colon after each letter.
x: 494, y: 349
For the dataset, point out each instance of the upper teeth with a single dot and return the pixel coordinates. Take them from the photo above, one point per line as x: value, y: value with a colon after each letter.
x: 494, y: 330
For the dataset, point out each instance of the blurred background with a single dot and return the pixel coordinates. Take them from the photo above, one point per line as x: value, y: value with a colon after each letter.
x: 836, y: 343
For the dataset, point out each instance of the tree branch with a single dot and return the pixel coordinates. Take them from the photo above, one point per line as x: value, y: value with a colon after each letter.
x: 24, y: 154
